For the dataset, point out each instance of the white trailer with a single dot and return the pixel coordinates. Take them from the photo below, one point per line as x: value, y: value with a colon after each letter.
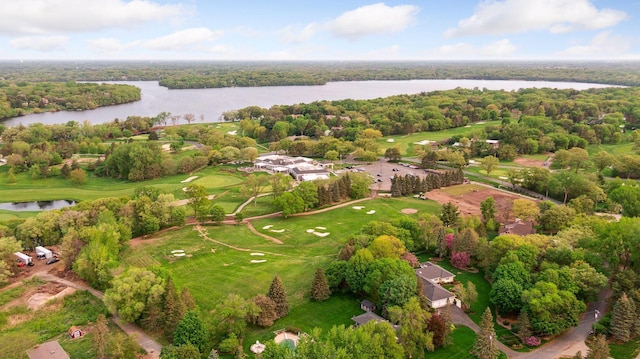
x: 43, y: 252
x: 23, y: 258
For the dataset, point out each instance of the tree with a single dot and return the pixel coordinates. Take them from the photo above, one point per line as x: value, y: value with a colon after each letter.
x: 122, y: 346
x: 100, y: 332
x: 238, y: 217
x: 551, y: 310
x: 217, y: 214
x: 414, y: 336
x: 289, y: 203
x: 174, y: 309
x: 623, y: 319
x: 488, y: 209
x: 599, y: 349
x: 472, y: 293
x: 488, y: 164
x: 232, y: 313
x: 191, y: 330
x: 189, y: 117
x: 254, y: 185
x: 578, y: 158
x: 308, y: 192
x: 320, y: 290
x: 557, y: 218
x: 278, y: 294
x: 267, y: 314
x: 132, y: 291
x: 393, y: 154
x: 387, y: 247
x: 197, y: 195
x: 525, y: 209
x: 450, y: 215
x: 602, y: 160
x: 280, y: 183
x: 629, y: 198
x: 524, y: 326
x: 485, y: 346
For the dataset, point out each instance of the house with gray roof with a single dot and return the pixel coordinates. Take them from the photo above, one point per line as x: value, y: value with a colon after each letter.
x: 431, y: 276
x: 435, y: 273
x: 366, y: 317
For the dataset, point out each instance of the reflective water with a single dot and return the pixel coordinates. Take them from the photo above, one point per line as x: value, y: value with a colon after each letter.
x: 36, y: 205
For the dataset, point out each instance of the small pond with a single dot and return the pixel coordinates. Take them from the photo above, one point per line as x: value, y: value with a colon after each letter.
x: 36, y: 205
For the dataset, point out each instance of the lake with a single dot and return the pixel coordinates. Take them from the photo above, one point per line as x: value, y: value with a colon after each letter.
x: 36, y: 206
x: 209, y: 104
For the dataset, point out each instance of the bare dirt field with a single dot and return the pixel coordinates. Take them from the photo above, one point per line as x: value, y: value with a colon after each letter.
x: 529, y: 162
x: 468, y: 198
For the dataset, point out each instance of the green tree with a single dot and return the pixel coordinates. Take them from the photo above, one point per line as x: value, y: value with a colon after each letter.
x: 289, y: 203
x: 629, y: 198
x: 450, y: 215
x: 602, y: 160
x: 191, y: 330
x: 414, y: 335
x: 525, y: 209
x: 174, y: 309
x: 308, y: 191
x: 599, y: 349
x: 132, y: 291
x: 623, y: 319
x: 231, y: 314
x: 551, y: 310
x: 393, y: 154
x: 278, y: 294
x: 488, y: 209
x: 485, y: 346
x: 100, y: 333
x: 253, y: 186
x: 197, y: 195
x: 320, y: 290
x: 280, y: 183
x: 122, y: 346
x: 488, y: 164
x: 524, y: 326
x: 217, y: 214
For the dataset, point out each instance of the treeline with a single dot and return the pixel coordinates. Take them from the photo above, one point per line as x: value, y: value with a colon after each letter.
x: 594, y: 115
x: 21, y: 98
x: 412, y: 184
x: 250, y: 74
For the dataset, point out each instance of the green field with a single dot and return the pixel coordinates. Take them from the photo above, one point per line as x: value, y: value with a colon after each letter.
x: 629, y: 350
x: 617, y: 149
x: 463, y: 339
x: 405, y: 142
x: 26, y: 189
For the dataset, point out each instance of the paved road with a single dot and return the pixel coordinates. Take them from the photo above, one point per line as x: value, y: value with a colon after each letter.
x: 152, y: 347
x: 568, y: 344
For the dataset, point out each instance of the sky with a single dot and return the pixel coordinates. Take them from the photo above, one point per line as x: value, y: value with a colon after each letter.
x: 348, y: 30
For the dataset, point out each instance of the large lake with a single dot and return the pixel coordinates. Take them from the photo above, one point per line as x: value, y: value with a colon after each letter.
x: 211, y: 103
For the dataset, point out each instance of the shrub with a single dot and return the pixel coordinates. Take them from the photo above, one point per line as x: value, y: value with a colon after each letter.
x: 230, y: 345
x: 460, y: 259
x: 532, y: 341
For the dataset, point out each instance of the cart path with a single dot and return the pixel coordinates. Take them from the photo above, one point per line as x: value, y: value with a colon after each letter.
x: 203, y: 233
x: 152, y: 347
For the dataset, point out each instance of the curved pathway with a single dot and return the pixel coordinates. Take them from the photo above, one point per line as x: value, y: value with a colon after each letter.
x: 152, y: 347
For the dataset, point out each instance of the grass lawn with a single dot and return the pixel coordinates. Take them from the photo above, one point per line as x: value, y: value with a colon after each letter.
x: 496, y: 173
x: 340, y: 223
x: 628, y: 350
x: 6, y: 215
x: 617, y: 149
x: 463, y: 339
x: 25, y: 189
x: 464, y: 189
x: 405, y: 142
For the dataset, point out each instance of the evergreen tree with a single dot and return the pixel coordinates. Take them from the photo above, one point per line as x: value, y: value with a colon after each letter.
x: 335, y: 192
x: 187, y: 299
x: 100, y: 332
x: 278, y: 294
x: 191, y: 330
x: 485, y: 346
x: 450, y: 215
x: 65, y: 171
x: 578, y: 355
x: 174, y: 309
x: 599, y: 349
x: 524, y: 326
x: 320, y: 290
x: 267, y: 314
x: 623, y: 319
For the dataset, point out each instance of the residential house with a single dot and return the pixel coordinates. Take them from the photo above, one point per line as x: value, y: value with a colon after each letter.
x: 435, y: 273
x: 519, y: 227
x: 367, y: 306
x: 366, y: 317
x: 431, y: 276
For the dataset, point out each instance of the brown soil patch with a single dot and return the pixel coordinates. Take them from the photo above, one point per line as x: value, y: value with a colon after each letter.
x: 528, y: 162
x: 469, y: 203
x: 409, y: 211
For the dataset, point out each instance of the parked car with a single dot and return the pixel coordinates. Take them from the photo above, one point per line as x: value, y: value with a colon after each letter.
x: 52, y: 260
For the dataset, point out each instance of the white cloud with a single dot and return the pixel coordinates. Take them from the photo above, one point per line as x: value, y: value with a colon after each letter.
x: 386, y: 53
x: 182, y: 39
x: 296, y: 34
x: 604, y: 46
x: 495, y: 50
x: 40, y: 43
x: 62, y: 16
x: 494, y: 17
x: 372, y: 19
x: 107, y: 46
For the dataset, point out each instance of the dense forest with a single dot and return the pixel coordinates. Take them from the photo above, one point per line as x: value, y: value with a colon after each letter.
x: 182, y: 75
x: 20, y: 98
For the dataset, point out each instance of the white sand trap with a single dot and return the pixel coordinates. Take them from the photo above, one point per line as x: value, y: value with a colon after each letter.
x: 321, y: 234
x: 232, y: 133
x: 467, y: 126
x: 184, y: 189
x: 277, y: 230
x: 323, y: 228
x: 423, y: 142
x: 391, y: 140
x: 503, y: 178
x: 179, y: 254
x: 258, y: 260
x: 310, y: 230
x: 189, y: 179
x: 267, y: 227
x: 480, y: 123
x: 257, y: 254
x: 178, y: 251
x: 371, y: 212
x: 358, y: 207
x: 166, y: 147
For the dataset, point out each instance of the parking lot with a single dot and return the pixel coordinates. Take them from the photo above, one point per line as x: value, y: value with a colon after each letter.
x: 382, y: 171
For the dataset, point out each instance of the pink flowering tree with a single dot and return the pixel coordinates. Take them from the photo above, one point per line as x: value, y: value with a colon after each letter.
x: 460, y: 259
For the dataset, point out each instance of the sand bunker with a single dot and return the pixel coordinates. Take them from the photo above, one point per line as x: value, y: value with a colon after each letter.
x: 391, y: 140
x: 423, y: 142
x: 321, y: 234
x: 258, y: 260
x: 310, y: 230
x: 371, y: 212
x: 267, y: 227
x: 323, y: 228
x: 257, y: 254
x: 409, y: 210
x: 179, y: 254
x: 358, y: 207
x: 277, y: 230
x: 178, y: 251
x: 189, y: 179
x: 232, y: 133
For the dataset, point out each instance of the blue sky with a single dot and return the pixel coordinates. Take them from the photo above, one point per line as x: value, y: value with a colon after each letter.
x: 320, y: 30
